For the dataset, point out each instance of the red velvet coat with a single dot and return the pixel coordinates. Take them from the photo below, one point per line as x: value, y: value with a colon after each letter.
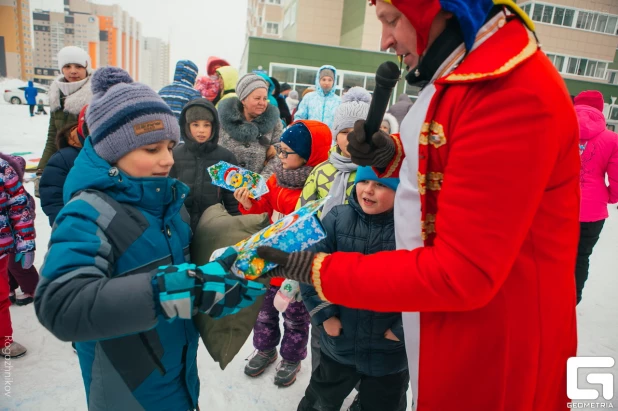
x: 494, y: 283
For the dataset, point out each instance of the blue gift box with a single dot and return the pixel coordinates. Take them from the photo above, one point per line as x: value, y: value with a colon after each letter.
x: 295, y: 232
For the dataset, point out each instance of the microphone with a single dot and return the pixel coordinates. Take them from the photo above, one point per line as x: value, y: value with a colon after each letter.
x: 387, y: 77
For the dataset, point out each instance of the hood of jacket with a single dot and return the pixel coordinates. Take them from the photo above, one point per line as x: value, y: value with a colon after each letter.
x: 591, y: 122
x: 190, y: 142
x: 271, y: 88
x: 215, y: 61
x: 17, y: 163
x: 72, y: 103
x: 30, y: 84
x: 318, y: 89
x: 392, y: 121
x: 321, y: 139
x: 230, y: 77
x: 157, y: 195
x: 235, y: 124
x: 186, y: 73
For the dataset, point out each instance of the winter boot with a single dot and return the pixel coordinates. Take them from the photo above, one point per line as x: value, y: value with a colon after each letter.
x: 14, y: 350
x: 286, y: 373
x: 24, y: 299
x: 260, y: 361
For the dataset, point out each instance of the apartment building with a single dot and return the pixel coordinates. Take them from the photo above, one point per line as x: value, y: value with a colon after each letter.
x: 155, y: 63
x: 109, y: 34
x: 581, y: 38
x: 15, y: 39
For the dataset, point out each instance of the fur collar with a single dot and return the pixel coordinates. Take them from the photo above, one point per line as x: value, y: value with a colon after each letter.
x: 237, y: 127
x: 73, y: 103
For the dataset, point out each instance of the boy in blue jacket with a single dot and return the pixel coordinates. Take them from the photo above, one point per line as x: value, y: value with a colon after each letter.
x: 358, y: 345
x: 117, y: 277
x: 322, y: 104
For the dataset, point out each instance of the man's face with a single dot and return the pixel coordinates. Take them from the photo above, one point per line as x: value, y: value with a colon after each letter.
x: 397, y: 33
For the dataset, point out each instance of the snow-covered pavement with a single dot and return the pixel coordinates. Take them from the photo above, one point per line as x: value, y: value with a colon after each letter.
x: 48, y: 377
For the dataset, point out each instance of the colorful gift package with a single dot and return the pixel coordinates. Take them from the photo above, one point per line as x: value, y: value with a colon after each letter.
x: 232, y: 177
x: 294, y: 232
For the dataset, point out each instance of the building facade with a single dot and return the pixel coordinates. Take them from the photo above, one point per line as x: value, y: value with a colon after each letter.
x: 109, y: 34
x: 16, y: 40
x: 155, y: 63
x: 580, y: 37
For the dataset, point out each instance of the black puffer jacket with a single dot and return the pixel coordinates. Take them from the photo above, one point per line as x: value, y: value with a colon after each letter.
x: 191, y: 160
x: 361, y: 343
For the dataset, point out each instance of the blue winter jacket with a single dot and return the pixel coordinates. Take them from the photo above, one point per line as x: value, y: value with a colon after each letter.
x: 52, y: 181
x: 361, y: 343
x: 182, y: 90
x: 318, y: 105
x: 30, y: 93
x: 96, y: 287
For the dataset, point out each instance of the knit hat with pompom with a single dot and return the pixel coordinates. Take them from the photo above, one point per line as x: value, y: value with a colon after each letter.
x: 354, y: 106
x: 124, y: 115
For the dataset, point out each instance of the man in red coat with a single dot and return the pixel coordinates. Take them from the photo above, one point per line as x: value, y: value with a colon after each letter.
x: 486, y: 214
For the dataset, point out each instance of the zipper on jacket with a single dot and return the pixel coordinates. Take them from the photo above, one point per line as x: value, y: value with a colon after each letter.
x: 152, y: 354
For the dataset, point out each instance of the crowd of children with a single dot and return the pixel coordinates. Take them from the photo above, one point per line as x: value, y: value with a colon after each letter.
x: 119, y: 173
x: 125, y: 185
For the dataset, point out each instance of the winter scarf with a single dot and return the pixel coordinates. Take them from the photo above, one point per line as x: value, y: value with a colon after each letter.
x: 234, y: 123
x: 337, y: 193
x: 294, y: 179
x: 76, y: 94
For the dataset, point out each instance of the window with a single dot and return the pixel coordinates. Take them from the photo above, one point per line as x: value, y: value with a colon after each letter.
x: 614, y: 114
x: 272, y: 28
x: 558, y: 16
x: 274, y: 2
x: 306, y: 76
x: 580, y: 66
x: 547, y: 14
x: 537, y: 14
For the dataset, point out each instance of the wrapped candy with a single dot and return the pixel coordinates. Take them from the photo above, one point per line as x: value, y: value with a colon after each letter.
x: 232, y: 177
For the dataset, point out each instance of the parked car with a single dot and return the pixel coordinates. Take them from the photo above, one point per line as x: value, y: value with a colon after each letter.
x: 16, y: 95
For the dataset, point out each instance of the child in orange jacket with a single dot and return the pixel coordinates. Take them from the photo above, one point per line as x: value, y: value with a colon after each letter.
x: 303, y: 146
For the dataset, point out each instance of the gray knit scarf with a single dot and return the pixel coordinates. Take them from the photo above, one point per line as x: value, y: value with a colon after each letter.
x: 337, y: 192
x: 293, y: 179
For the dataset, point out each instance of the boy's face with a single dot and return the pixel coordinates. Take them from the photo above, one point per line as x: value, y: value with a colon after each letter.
x: 153, y: 160
x: 201, y: 130
x: 326, y: 83
x: 289, y: 159
x: 375, y: 198
x: 342, y: 141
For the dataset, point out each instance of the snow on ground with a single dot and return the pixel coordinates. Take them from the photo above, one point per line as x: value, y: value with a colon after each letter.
x: 48, y: 377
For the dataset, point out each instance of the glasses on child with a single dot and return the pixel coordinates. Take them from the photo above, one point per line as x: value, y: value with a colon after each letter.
x: 281, y: 152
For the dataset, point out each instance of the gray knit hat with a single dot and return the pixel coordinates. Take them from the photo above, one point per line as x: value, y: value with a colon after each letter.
x: 196, y: 113
x: 248, y: 84
x: 354, y: 106
x: 124, y: 115
x: 327, y: 73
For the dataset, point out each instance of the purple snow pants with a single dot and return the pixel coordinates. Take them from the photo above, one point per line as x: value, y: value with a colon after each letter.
x: 266, y: 333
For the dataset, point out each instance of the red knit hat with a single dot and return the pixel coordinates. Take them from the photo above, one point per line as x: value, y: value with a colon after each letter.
x: 421, y: 14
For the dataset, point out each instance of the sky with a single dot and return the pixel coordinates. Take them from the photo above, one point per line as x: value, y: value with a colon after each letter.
x: 195, y: 29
